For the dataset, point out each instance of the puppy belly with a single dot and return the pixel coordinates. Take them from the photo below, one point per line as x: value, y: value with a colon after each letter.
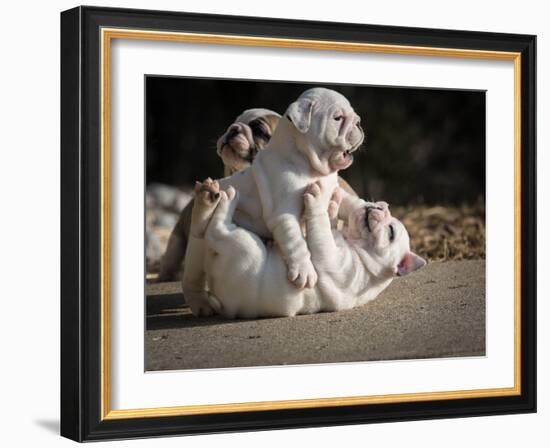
x: 235, y: 286
x: 278, y: 297
x: 256, y: 291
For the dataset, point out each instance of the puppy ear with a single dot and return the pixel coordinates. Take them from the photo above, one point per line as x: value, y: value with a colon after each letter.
x: 299, y: 113
x: 410, y: 263
x: 272, y: 121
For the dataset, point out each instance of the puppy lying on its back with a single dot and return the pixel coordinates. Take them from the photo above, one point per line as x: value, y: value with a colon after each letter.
x: 237, y: 148
x: 247, y: 278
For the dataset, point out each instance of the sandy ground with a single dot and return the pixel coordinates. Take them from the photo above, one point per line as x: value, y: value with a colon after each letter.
x: 436, y: 312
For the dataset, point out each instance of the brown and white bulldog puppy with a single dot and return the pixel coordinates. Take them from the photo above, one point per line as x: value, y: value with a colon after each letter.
x: 237, y: 147
x: 242, y: 140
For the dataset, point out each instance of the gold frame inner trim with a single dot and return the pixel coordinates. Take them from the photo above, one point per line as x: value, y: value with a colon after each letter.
x: 107, y: 35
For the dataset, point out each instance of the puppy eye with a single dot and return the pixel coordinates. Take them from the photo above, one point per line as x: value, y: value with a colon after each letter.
x: 339, y: 117
x: 258, y: 130
x: 392, y: 234
x: 264, y: 135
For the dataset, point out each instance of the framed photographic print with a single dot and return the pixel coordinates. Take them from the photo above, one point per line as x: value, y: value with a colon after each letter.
x: 276, y: 224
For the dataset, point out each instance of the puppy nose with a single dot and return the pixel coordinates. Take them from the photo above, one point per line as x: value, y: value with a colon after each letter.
x: 234, y: 129
x: 374, y: 207
x: 231, y: 132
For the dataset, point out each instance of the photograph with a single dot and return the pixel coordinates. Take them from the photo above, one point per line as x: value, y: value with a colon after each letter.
x: 291, y: 223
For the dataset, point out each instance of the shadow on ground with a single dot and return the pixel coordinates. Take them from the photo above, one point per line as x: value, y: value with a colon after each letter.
x: 436, y: 312
x: 51, y: 426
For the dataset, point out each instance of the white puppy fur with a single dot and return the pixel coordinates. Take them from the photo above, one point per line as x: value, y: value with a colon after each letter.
x: 248, y: 279
x: 314, y: 140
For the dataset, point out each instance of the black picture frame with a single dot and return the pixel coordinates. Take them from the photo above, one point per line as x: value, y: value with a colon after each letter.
x: 81, y: 208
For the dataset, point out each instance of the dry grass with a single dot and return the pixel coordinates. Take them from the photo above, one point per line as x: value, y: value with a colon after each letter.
x: 445, y: 233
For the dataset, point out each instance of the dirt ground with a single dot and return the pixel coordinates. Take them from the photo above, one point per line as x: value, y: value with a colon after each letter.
x: 436, y: 312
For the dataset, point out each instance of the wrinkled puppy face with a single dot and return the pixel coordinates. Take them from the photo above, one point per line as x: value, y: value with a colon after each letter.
x: 249, y: 134
x: 329, y: 129
x: 385, y: 238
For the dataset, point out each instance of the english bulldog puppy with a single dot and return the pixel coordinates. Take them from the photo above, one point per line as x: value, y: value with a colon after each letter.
x: 249, y: 134
x: 247, y: 278
x: 315, y: 139
x: 237, y: 147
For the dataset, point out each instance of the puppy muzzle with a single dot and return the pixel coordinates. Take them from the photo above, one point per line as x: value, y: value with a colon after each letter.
x: 240, y: 140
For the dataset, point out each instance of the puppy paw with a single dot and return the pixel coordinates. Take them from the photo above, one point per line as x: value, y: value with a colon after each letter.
x: 316, y: 198
x: 207, y: 196
x: 207, y: 193
x: 334, y: 204
x: 303, y: 275
x: 231, y: 194
x: 198, y: 303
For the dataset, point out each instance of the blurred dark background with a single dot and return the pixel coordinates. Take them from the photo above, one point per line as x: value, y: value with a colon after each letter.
x: 423, y: 146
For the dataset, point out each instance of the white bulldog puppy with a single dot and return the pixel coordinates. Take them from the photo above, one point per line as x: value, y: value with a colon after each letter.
x: 237, y: 147
x: 248, y: 279
x: 314, y: 140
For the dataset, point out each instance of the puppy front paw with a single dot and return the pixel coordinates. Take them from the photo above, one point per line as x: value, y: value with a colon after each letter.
x: 207, y: 196
x: 198, y: 303
x: 303, y: 275
x: 207, y: 193
x: 316, y: 198
x: 334, y: 204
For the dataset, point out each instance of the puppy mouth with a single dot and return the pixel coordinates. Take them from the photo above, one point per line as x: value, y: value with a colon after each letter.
x: 348, y: 153
x: 347, y: 156
x: 343, y: 158
x: 240, y: 146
